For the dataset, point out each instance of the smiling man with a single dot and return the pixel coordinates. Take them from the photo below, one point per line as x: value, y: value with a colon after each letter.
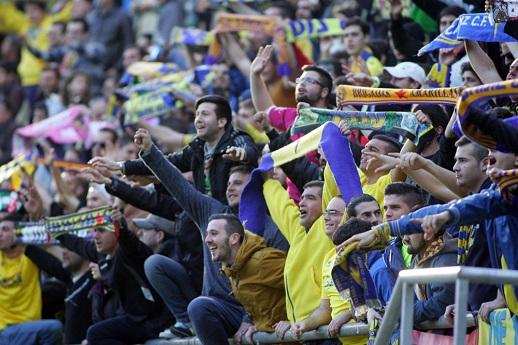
x: 216, y: 315
x: 255, y: 271
x: 216, y: 149
x: 305, y: 230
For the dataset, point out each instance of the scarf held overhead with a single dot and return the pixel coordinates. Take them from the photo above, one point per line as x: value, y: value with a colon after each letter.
x: 358, y: 95
x: 471, y: 98
x: 80, y: 224
x: 403, y: 123
x: 472, y: 26
x: 335, y: 146
x: 67, y: 127
x: 264, y: 24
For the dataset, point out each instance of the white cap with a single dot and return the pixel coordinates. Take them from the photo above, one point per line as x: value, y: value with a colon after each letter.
x: 408, y: 70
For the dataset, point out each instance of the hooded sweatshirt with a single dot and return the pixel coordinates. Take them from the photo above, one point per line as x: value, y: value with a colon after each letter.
x: 257, y: 281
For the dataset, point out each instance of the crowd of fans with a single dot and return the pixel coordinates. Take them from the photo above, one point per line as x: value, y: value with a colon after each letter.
x: 181, y: 262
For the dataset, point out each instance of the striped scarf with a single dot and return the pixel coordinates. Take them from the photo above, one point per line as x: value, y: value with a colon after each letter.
x: 464, y: 242
x: 47, y: 230
x: 358, y: 95
x: 264, y: 24
x: 431, y: 250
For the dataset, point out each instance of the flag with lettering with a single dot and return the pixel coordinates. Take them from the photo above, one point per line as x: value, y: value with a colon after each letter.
x: 473, y: 26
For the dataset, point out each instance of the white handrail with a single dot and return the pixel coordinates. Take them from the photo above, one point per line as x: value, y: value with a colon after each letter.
x: 401, y: 303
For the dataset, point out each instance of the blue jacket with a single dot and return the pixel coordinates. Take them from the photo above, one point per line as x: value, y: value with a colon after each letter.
x: 487, y: 207
x: 382, y: 276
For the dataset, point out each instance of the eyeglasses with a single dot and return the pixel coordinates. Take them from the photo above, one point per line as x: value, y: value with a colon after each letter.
x: 333, y: 213
x: 308, y: 80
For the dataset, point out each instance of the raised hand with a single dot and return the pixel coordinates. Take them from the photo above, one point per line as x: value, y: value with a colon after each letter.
x: 261, y: 59
x: 359, y: 79
x: 142, y: 139
x: 422, y: 117
x: 116, y: 214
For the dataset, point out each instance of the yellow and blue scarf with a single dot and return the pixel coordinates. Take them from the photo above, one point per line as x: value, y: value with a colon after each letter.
x: 335, y: 146
x: 359, y: 95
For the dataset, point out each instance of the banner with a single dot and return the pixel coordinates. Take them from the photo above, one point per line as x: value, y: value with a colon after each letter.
x: 335, y: 146
x: 311, y: 28
x: 152, y: 104
x: 264, y: 24
x: 13, y: 170
x: 446, y: 39
x: 191, y: 36
x: 148, y: 70
x: 80, y: 224
x: 358, y: 95
x: 473, y: 26
x: 67, y: 127
x: 502, y: 328
x: 402, y: 123
x: 151, y: 85
x: 295, y: 30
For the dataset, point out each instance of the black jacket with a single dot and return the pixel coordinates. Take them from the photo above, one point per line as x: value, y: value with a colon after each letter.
x: 187, y: 249
x: 129, y: 280
x: 77, y: 304
x: 191, y: 158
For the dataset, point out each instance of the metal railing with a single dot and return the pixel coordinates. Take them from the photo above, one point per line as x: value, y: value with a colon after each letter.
x: 402, y: 299
x: 349, y: 329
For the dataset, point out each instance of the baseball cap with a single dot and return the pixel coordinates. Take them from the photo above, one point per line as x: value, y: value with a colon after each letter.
x: 408, y: 70
x: 153, y: 222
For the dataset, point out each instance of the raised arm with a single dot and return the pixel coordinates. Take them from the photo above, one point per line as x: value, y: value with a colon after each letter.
x: 167, y: 137
x: 236, y: 54
x: 133, y: 248
x: 260, y: 95
x: 412, y: 163
x: 198, y: 206
x: 82, y: 247
x: 481, y: 63
x: 48, y: 263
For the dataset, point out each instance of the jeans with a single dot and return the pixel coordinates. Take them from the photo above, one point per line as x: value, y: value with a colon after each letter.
x: 119, y: 330
x: 41, y: 332
x: 214, y: 320
x: 173, y: 284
